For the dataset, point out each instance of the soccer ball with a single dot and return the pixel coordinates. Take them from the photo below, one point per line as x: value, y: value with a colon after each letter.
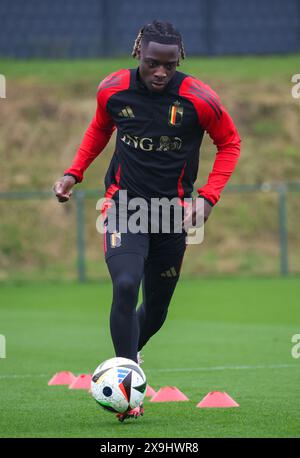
x: 118, y: 385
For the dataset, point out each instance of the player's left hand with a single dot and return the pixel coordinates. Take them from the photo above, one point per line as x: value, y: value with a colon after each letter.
x: 194, y: 214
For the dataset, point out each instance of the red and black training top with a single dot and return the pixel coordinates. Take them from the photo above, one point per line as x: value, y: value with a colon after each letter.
x: 159, y: 137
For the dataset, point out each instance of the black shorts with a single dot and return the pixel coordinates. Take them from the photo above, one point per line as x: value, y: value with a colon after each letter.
x: 145, y: 243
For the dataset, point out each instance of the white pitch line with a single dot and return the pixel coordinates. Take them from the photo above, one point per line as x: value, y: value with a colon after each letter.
x: 24, y: 375
x: 181, y: 369
x: 225, y: 368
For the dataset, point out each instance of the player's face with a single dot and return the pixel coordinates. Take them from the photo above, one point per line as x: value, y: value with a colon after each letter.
x: 158, y: 64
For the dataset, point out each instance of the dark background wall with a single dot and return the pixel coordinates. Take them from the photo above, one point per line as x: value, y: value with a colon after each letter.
x: 77, y: 28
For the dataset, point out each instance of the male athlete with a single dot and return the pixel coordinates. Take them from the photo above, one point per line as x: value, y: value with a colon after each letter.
x: 160, y: 116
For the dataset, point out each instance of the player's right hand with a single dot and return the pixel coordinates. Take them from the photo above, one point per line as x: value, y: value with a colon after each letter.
x: 62, y: 188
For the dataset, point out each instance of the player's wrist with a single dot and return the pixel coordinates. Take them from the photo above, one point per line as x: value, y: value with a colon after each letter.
x: 73, y: 176
x: 207, y: 200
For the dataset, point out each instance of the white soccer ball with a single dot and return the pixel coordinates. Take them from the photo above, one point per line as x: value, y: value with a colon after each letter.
x: 118, y: 385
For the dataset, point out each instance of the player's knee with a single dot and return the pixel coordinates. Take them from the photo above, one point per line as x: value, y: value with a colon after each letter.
x: 160, y: 315
x: 159, y: 305
x: 126, y: 285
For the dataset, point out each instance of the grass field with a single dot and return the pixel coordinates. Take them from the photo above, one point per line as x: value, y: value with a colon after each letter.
x: 72, y: 71
x: 228, y: 335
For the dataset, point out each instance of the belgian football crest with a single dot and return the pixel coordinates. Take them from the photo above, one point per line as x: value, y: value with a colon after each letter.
x: 175, y: 114
x: 115, y: 239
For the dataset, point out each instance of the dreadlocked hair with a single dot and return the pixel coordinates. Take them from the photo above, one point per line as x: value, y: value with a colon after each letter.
x: 159, y: 32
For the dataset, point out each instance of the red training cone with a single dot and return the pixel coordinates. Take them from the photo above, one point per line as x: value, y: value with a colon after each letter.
x: 168, y: 394
x: 217, y: 399
x: 62, y: 378
x: 83, y: 381
x: 150, y: 392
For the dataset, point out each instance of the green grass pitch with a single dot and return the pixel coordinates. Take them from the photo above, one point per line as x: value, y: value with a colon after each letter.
x: 221, y: 334
x: 249, y: 68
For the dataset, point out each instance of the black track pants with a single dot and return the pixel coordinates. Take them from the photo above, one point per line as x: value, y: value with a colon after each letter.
x: 153, y: 260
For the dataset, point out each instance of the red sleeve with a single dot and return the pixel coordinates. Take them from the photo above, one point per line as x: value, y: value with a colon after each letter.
x: 101, y: 127
x: 216, y: 121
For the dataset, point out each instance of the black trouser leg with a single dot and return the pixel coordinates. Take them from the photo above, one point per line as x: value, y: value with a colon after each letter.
x: 126, y: 272
x: 160, y: 278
